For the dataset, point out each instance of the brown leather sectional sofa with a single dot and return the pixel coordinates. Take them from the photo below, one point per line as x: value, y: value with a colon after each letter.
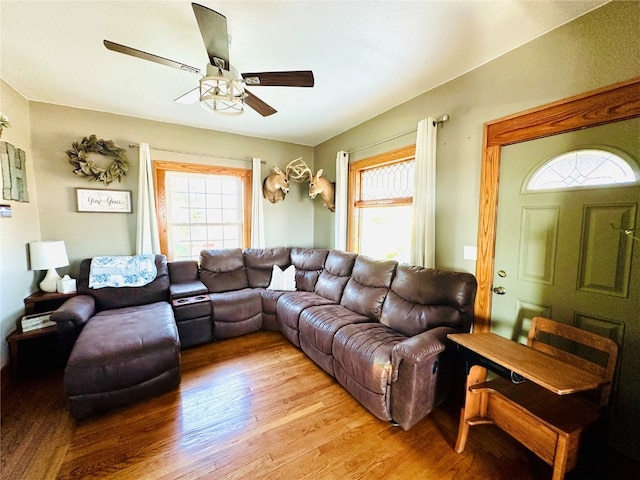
x: 377, y: 327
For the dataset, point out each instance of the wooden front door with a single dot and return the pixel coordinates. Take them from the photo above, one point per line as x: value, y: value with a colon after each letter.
x: 570, y: 254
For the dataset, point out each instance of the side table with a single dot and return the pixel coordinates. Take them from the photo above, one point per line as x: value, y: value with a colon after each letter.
x: 38, y: 302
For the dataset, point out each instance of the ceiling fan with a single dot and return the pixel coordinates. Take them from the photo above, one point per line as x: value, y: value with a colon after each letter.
x: 221, y: 90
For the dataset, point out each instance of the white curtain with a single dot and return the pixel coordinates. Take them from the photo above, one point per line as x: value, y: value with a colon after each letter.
x: 342, y: 183
x: 257, y: 210
x: 147, y: 239
x: 423, y: 239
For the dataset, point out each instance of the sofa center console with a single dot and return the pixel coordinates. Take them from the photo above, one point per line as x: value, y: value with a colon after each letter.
x: 191, y: 304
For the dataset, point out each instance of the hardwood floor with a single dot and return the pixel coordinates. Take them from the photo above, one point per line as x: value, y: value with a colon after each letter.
x: 253, y: 407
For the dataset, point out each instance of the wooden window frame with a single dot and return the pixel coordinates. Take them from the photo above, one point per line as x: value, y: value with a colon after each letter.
x: 399, y: 155
x: 160, y: 168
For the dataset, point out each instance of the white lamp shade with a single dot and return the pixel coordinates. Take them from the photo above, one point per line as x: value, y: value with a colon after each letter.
x: 48, y: 254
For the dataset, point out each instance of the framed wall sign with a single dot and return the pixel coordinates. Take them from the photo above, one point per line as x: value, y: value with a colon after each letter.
x: 102, y: 200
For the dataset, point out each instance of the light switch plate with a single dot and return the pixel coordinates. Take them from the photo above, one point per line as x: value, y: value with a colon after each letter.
x: 470, y: 253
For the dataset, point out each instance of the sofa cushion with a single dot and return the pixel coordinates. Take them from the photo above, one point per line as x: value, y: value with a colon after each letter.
x: 269, y: 301
x: 288, y: 310
x: 368, y: 286
x: 259, y: 262
x: 236, y: 313
x: 119, y: 297
x: 318, y: 325
x: 363, y: 364
x: 223, y: 270
x: 309, y: 262
x: 334, y: 277
x: 421, y: 299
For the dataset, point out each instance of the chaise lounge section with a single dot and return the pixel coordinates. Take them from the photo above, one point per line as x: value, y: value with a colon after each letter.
x: 122, y: 343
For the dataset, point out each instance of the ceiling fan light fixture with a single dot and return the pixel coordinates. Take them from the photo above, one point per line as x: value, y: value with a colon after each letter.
x: 222, y: 95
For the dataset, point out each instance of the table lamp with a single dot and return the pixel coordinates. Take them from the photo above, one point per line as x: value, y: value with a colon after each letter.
x: 48, y: 255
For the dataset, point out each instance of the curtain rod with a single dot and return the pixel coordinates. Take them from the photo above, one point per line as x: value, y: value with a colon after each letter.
x: 444, y: 118
x: 383, y: 141
x: 196, y: 154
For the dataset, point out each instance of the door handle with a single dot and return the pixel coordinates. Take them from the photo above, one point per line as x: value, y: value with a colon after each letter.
x: 499, y: 290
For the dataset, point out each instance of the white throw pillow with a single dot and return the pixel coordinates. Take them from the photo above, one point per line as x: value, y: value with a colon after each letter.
x: 285, y: 281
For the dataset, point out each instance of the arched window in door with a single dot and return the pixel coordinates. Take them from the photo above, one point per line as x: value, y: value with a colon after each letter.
x: 582, y: 168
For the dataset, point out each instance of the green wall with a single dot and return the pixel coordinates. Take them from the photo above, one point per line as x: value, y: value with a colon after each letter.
x: 88, y: 234
x: 598, y: 49
x: 16, y: 281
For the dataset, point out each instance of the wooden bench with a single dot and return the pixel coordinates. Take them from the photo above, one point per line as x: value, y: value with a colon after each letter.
x: 548, y: 424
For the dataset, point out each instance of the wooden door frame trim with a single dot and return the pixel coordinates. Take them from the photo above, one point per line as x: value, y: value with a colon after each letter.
x: 598, y: 107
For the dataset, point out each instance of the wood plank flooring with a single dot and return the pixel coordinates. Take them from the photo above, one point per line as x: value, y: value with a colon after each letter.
x: 253, y: 407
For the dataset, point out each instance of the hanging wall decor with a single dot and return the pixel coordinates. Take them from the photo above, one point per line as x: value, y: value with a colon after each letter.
x: 83, y: 165
x: 276, y: 186
x: 4, y: 122
x: 14, y: 173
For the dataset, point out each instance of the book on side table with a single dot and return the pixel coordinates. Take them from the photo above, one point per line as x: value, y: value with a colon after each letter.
x: 36, y: 322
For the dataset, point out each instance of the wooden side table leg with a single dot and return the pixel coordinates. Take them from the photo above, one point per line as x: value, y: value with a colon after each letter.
x: 13, y: 358
x: 563, y: 450
x: 472, y: 405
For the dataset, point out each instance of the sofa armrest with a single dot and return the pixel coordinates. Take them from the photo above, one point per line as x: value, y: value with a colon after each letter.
x: 187, y: 289
x: 420, y: 348
x: 422, y: 375
x: 71, y: 318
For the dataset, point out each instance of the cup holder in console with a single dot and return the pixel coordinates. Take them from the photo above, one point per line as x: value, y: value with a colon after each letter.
x: 189, y: 300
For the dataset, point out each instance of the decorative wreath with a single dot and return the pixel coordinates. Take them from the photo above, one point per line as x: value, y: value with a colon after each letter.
x: 78, y: 157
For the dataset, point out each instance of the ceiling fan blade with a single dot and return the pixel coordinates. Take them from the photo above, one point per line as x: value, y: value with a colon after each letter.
x: 192, y: 96
x: 213, y: 28
x: 116, y: 47
x: 258, y: 105
x: 301, y: 78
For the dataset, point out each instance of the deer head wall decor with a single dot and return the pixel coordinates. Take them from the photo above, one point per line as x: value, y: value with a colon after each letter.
x: 327, y: 190
x: 276, y: 186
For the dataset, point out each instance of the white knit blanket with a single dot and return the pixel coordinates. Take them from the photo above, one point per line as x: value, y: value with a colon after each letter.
x: 122, y: 271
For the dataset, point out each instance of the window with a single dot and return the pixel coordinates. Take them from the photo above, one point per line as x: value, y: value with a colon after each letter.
x: 201, y: 207
x: 380, y: 205
x: 581, y: 168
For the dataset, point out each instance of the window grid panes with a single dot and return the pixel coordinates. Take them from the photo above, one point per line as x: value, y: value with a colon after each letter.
x: 385, y: 230
x: 582, y: 168
x: 204, y: 212
x: 387, y: 182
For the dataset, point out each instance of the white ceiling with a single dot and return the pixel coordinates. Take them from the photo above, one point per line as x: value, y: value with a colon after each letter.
x: 367, y: 56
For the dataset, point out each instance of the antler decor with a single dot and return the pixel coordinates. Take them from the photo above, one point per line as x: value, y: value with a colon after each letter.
x: 298, y: 170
